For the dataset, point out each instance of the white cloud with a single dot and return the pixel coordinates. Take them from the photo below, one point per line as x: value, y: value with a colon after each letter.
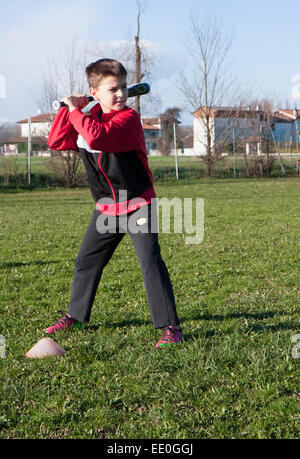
x: 296, y: 88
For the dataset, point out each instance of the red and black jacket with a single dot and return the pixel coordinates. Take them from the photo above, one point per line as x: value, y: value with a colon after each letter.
x: 112, y: 147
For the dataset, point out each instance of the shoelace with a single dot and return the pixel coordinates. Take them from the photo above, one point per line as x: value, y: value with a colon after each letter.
x: 167, y: 335
x: 62, y: 321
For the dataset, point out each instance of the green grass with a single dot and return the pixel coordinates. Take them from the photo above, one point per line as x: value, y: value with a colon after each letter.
x: 237, y: 296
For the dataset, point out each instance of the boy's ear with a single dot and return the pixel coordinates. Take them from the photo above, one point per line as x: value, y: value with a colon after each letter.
x: 92, y: 92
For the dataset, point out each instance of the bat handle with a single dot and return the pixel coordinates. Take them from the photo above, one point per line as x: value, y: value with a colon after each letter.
x: 57, y: 104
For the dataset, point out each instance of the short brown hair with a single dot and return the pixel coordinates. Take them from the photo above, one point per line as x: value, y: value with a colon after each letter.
x: 101, y: 68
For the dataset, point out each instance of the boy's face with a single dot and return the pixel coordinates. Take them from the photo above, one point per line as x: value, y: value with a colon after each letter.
x: 112, y: 93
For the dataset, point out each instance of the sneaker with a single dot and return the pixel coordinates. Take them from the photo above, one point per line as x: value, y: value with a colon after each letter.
x: 64, y: 323
x: 170, y: 335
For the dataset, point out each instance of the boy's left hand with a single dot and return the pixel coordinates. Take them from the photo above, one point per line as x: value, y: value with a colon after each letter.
x: 75, y: 101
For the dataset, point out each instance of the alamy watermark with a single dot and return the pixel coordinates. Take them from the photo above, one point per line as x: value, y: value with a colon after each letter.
x: 296, y: 348
x: 2, y: 87
x: 186, y: 217
x: 2, y: 347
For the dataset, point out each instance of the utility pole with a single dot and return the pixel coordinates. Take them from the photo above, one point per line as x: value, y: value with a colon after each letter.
x: 259, y: 145
x: 138, y: 61
x: 278, y: 152
x: 29, y: 149
x: 175, y: 149
x: 297, y: 130
x: 234, y: 157
x: 260, y: 151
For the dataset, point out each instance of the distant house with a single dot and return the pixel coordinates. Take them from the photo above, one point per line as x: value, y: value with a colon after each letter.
x: 16, y: 142
x: 152, y: 132
x: 40, y: 125
x: 286, y: 124
x: 7, y: 132
x: 228, y: 124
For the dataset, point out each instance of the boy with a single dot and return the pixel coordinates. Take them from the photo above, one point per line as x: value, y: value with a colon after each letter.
x: 112, y: 146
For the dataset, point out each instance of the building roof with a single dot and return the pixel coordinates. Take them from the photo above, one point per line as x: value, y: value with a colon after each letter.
x: 287, y: 114
x: 281, y: 118
x: 151, y: 120
x: 34, y: 139
x: 42, y: 118
x: 152, y: 124
x: 226, y: 112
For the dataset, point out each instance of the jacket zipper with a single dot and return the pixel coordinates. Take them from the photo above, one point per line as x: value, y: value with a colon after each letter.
x: 110, y: 185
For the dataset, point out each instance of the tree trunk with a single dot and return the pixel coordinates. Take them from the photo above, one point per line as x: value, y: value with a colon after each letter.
x: 208, y: 169
x: 208, y: 148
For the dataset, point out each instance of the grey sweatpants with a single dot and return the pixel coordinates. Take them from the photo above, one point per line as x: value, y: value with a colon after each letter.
x: 98, y: 247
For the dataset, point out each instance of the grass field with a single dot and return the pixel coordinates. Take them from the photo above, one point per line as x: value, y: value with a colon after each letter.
x: 237, y: 296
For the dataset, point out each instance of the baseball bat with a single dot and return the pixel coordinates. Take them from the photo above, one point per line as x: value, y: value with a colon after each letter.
x: 136, y: 90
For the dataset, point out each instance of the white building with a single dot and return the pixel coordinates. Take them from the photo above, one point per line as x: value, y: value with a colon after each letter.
x: 40, y: 125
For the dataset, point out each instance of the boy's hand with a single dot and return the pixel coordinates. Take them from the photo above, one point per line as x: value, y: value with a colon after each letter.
x: 76, y: 101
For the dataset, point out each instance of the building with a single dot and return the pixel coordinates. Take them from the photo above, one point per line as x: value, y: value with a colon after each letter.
x: 40, y: 125
x: 286, y: 124
x: 152, y: 132
x: 15, y: 139
x: 227, y: 125
x: 9, y: 131
x: 246, y: 127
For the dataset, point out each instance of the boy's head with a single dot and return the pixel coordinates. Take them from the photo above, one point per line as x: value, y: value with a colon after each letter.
x: 107, y: 82
x: 96, y: 71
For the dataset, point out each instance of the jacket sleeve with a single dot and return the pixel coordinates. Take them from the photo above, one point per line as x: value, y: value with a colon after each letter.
x: 62, y: 135
x: 121, y: 133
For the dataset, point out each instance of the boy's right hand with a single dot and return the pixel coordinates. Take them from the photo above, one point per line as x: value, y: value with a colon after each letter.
x: 75, y: 101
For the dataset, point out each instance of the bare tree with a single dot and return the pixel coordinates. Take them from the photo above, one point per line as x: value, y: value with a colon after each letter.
x: 138, y: 58
x: 50, y: 80
x: 62, y: 75
x: 261, y: 127
x: 264, y: 104
x: 168, y: 118
x: 209, y: 84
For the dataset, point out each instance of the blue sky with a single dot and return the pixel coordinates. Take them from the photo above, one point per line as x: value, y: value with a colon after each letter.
x: 265, y: 45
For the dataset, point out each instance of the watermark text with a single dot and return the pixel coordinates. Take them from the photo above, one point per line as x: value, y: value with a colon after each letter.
x: 296, y: 348
x: 181, y: 216
x: 2, y: 347
x: 2, y: 87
